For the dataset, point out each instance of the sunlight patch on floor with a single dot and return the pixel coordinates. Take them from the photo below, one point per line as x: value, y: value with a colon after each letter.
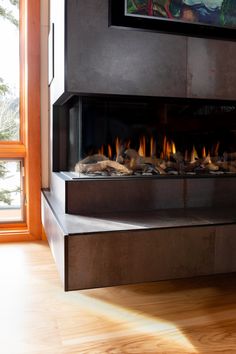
x: 130, y: 322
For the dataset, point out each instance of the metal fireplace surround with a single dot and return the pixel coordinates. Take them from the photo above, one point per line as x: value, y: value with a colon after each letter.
x: 108, y: 230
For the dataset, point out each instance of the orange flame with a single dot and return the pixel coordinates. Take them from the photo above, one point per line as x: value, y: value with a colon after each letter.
x: 117, y: 147
x: 194, y: 155
x: 168, y: 149
x: 101, y: 150
x: 164, y: 147
x: 173, y: 148
x: 109, y: 150
x: 203, y: 152
x: 217, y: 149
x: 209, y: 157
x: 152, y: 147
x: 142, y: 147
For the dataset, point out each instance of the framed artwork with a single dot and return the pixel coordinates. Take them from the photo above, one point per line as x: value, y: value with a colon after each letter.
x: 200, y: 18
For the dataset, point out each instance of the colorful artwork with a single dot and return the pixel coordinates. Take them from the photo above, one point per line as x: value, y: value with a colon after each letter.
x: 220, y: 13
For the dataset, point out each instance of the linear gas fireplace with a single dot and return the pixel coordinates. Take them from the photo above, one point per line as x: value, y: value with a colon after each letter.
x: 121, y: 153
x: 142, y: 137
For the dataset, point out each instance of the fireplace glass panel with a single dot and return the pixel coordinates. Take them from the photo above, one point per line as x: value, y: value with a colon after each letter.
x: 145, y: 137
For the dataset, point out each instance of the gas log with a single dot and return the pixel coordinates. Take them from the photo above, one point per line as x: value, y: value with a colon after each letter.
x: 105, y: 165
x: 130, y: 162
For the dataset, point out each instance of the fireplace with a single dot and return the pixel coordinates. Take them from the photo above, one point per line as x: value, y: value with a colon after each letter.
x: 110, y: 136
x: 143, y: 143
x: 127, y: 154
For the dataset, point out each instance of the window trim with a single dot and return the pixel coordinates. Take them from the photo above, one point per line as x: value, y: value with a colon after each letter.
x: 29, y: 146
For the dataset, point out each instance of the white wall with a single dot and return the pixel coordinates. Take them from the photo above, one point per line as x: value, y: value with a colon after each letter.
x: 44, y: 93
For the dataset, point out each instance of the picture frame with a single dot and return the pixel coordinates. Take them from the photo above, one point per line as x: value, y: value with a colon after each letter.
x: 120, y: 15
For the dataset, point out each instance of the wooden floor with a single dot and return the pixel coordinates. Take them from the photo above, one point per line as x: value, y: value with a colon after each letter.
x: 37, y: 317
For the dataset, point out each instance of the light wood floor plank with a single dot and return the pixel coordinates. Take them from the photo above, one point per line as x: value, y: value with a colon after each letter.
x: 38, y: 317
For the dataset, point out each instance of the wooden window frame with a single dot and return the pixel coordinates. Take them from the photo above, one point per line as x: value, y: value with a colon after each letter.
x: 28, y: 148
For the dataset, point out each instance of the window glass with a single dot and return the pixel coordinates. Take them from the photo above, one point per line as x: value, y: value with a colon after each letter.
x: 9, y: 70
x: 11, y: 191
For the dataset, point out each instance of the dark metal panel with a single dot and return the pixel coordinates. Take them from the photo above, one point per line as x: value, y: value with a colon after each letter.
x: 101, y: 59
x: 225, y: 249
x: 121, y: 195
x: 211, y: 68
x: 55, y: 237
x: 141, y: 194
x: 57, y: 17
x: 210, y: 192
x: 138, y: 256
x: 60, y: 138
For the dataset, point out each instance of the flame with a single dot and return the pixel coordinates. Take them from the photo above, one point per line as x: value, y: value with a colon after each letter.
x: 168, y: 149
x: 173, y: 148
x: 101, y: 150
x: 194, y: 155
x: 118, y: 148
x: 164, y: 147
x: 203, y: 152
x: 217, y: 149
x: 109, y: 150
x: 152, y: 147
x: 142, y: 147
x: 208, y: 158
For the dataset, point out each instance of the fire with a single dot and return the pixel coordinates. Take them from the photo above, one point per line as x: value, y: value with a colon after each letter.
x: 217, y: 149
x: 142, y: 147
x: 122, y: 158
x: 152, y: 147
x: 164, y: 147
x: 194, y: 155
x: 173, y: 148
x: 101, y: 150
x: 209, y: 158
x: 109, y: 151
x: 203, y: 152
x: 118, y: 147
x: 169, y: 148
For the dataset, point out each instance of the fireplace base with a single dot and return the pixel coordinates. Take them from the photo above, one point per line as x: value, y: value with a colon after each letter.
x: 114, y: 249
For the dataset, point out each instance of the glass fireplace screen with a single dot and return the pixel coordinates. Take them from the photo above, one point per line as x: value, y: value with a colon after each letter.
x: 121, y: 136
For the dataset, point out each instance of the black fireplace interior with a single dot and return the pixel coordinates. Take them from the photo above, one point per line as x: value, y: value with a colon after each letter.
x: 113, y: 136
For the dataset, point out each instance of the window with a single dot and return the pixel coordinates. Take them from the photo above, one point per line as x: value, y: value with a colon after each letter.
x: 11, y: 191
x: 19, y: 120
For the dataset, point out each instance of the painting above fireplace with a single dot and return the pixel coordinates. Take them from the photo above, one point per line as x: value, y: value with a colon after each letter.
x: 205, y: 18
